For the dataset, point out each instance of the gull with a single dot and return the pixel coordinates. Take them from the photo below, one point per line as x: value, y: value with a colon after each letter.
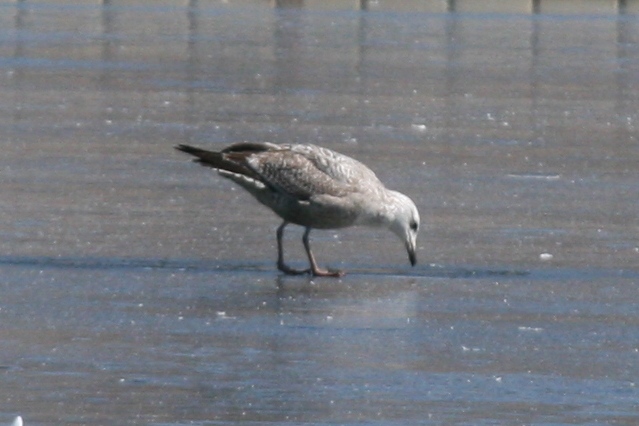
x: 316, y: 188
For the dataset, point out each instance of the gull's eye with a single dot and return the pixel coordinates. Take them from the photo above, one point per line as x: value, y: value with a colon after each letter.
x: 413, y: 226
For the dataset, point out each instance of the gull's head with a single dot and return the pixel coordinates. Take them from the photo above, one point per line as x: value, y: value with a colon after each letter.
x: 403, y: 220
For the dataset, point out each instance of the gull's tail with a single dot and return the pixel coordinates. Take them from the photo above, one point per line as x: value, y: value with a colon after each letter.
x: 217, y: 160
x: 204, y: 157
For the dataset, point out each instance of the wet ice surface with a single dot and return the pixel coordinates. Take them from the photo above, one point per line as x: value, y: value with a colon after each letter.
x: 150, y: 346
x: 139, y: 289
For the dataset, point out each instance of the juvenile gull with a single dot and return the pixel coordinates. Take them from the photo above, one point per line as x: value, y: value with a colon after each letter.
x: 313, y: 187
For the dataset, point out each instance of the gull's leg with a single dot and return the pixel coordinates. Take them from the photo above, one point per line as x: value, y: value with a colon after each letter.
x: 280, y: 254
x: 315, y: 270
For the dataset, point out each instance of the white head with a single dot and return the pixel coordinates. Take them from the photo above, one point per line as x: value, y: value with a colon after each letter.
x: 403, y: 219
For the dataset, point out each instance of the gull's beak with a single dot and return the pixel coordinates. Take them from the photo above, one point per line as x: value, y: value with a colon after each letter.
x: 410, y: 247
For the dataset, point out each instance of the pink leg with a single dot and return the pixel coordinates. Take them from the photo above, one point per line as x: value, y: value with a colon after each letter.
x: 280, y: 254
x: 315, y: 270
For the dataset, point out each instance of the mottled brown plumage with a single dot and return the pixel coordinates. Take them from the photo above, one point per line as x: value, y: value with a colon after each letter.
x: 313, y: 187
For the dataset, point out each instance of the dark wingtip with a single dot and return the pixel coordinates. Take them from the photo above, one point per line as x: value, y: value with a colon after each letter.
x: 186, y: 148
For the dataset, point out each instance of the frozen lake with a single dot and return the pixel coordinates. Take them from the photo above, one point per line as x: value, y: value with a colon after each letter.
x: 139, y: 289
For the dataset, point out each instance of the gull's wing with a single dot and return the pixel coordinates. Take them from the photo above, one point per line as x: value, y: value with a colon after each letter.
x: 295, y: 174
x: 301, y: 171
x: 339, y: 167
